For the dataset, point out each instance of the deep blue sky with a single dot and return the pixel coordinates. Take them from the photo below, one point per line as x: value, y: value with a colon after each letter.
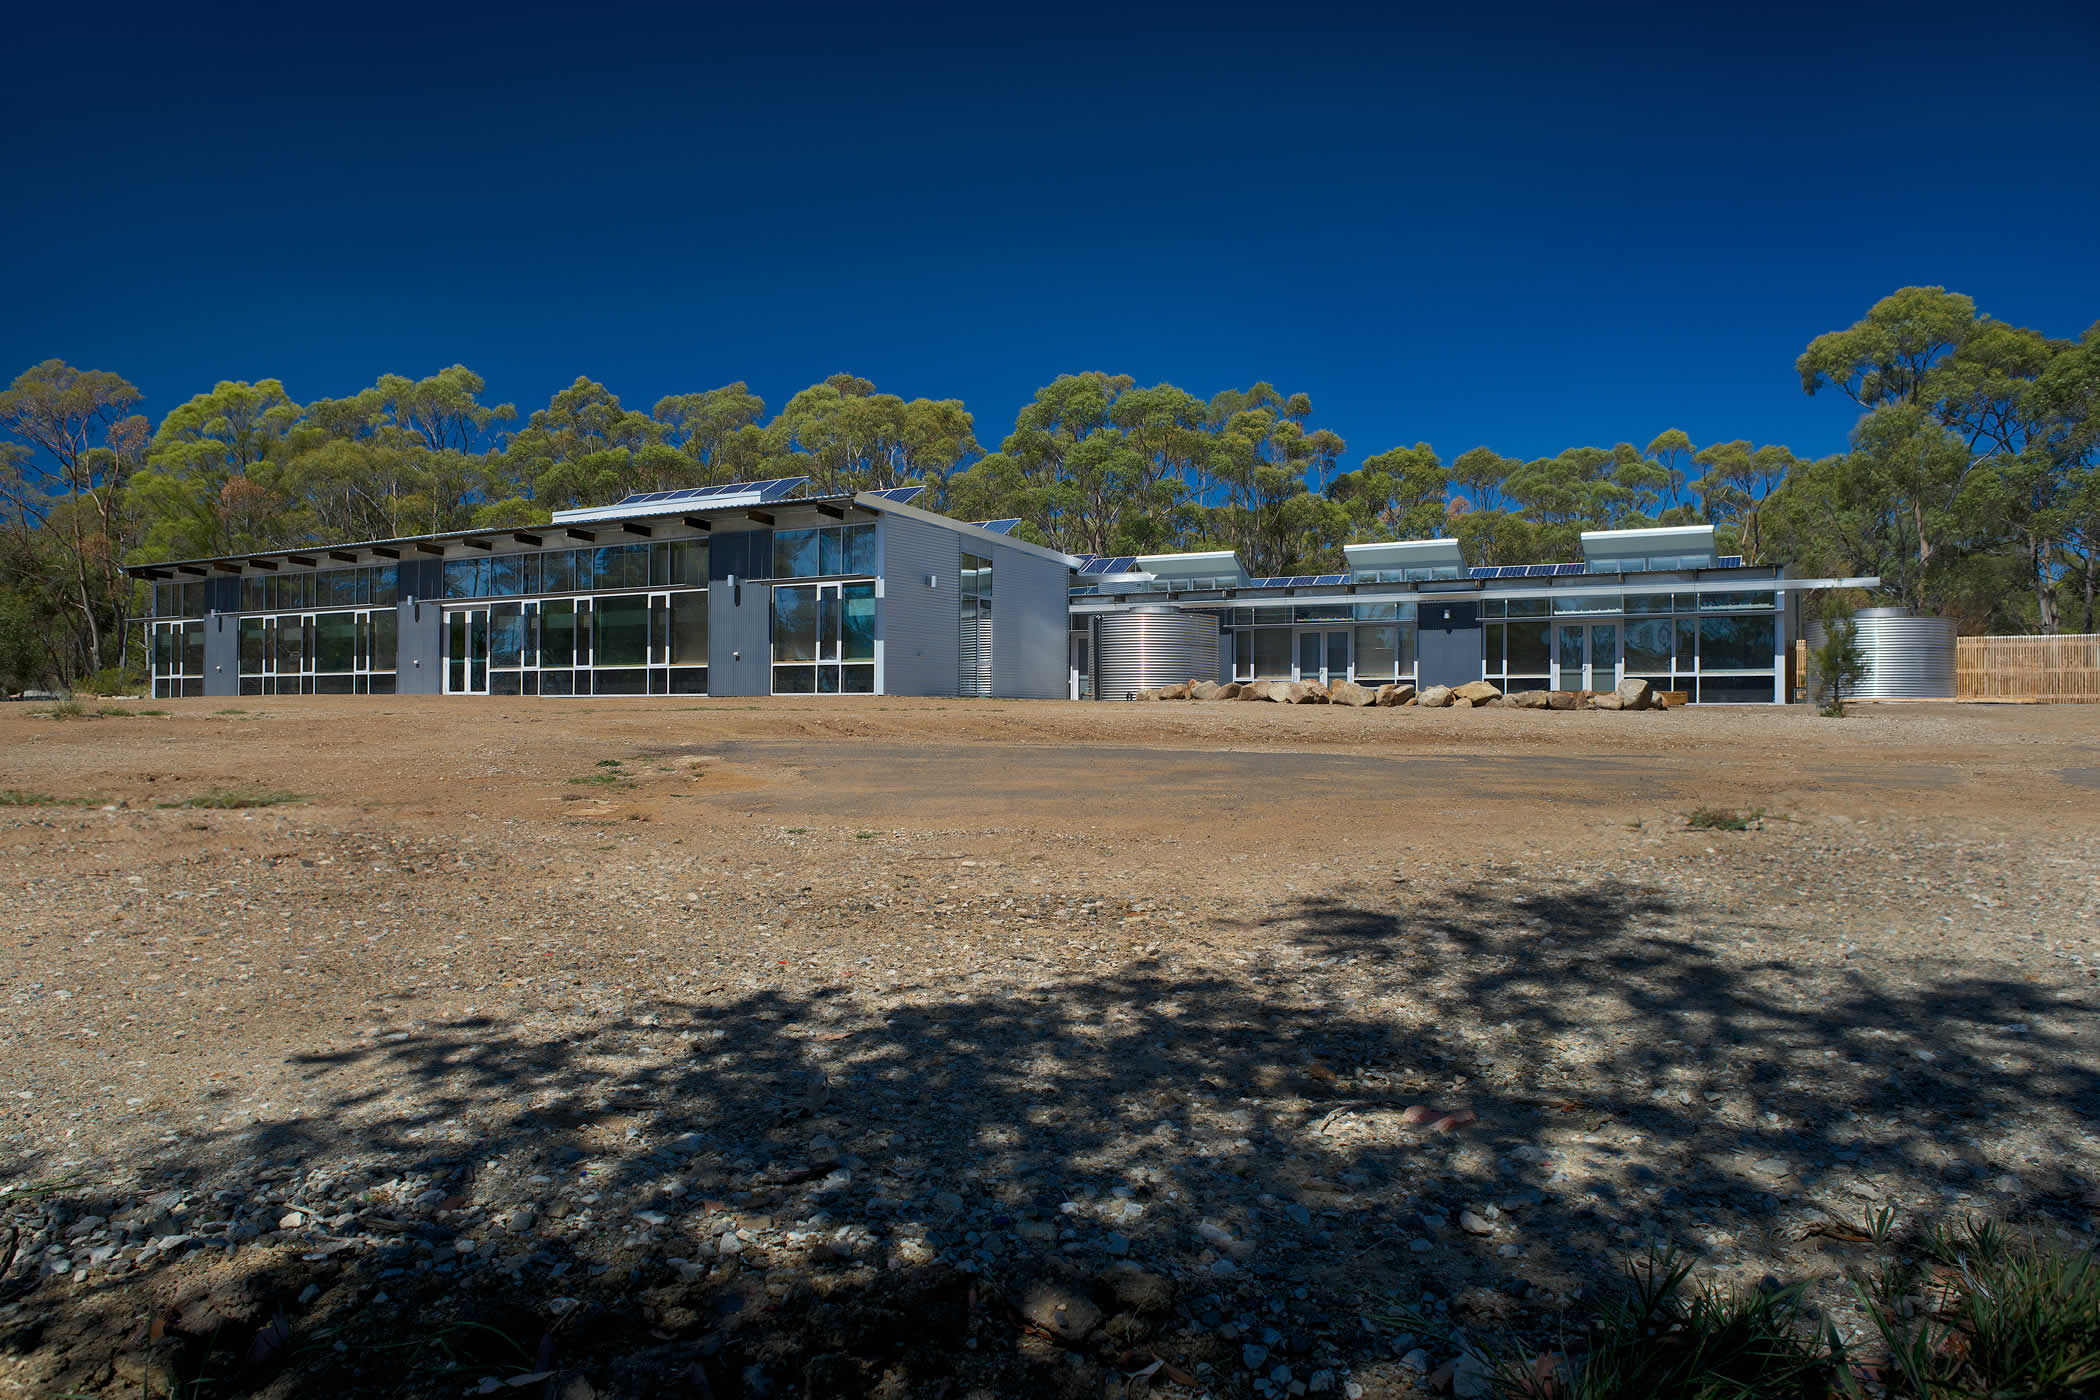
x: 1526, y: 225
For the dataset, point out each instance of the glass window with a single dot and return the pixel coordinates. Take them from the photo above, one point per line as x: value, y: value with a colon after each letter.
x: 975, y: 576
x: 335, y: 642
x: 828, y: 553
x: 857, y: 555
x: 255, y: 594
x: 1527, y: 607
x: 689, y: 629
x: 794, y: 680
x: 507, y: 634
x: 859, y: 624
x: 504, y: 576
x: 1648, y: 641
x: 794, y: 625
x: 1271, y: 652
x: 291, y: 645
x: 623, y: 566
x: 1325, y: 612
x: 1736, y: 643
x: 1491, y: 648
x: 858, y: 680
x: 1377, y: 612
x: 336, y: 587
x: 386, y: 591
x: 558, y: 571
x: 463, y: 577
x: 1712, y: 602
x: 1587, y: 605
x: 689, y: 563
x: 251, y: 646
x: 386, y: 644
x: 631, y: 682
x: 1648, y: 603
x: 1527, y: 648
x: 795, y: 553
x: 1735, y: 690
x: 623, y: 631
x: 1377, y: 653
x: 558, y: 633
x: 1492, y: 607
x: 1687, y: 643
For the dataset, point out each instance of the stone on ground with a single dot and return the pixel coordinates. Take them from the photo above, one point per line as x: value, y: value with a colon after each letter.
x: 1437, y: 697
x: 1635, y: 694
x: 1477, y: 692
x: 1349, y: 693
x: 1560, y: 700
x: 1530, y: 699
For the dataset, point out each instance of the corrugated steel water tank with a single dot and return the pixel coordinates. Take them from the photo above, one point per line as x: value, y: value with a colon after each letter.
x: 1153, y: 646
x: 1910, y: 655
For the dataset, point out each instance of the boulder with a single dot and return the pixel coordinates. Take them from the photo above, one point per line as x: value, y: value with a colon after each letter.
x: 1477, y: 692
x: 1529, y: 699
x: 1349, y: 693
x: 1177, y: 691
x: 1609, y: 700
x: 1560, y: 700
x: 1437, y: 697
x: 1316, y: 693
x: 1205, y: 690
x: 1390, y: 696
x: 1287, y: 692
x: 1635, y: 694
x: 1253, y: 690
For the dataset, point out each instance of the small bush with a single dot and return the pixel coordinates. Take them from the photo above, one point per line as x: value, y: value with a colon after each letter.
x: 234, y: 800
x: 111, y: 682
x: 1980, y: 1315
x: 16, y: 797
x: 1655, y: 1338
x: 1723, y: 819
x: 67, y: 709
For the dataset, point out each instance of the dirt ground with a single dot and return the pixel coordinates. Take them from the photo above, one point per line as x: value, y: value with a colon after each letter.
x: 878, y: 1046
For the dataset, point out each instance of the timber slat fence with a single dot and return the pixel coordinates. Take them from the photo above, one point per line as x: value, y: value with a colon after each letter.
x: 2060, y: 670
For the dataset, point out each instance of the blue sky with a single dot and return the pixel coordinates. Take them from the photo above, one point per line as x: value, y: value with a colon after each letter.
x: 1528, y: 226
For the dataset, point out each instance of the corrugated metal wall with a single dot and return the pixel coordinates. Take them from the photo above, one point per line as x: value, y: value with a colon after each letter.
x: 222, y: 648
x: 1031, y: 625
x: 919, y: 626
x: 739, y: 629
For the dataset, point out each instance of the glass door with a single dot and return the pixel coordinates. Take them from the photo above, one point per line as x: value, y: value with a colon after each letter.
x: 467, y: 651
x: 1324, y: 656
x: 1586, y: 656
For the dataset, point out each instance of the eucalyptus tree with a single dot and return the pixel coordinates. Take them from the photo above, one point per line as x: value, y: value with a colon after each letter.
x: 66, y: 483
x: 215, y: 479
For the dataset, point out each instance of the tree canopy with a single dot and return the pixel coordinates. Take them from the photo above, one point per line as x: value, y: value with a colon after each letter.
x: 1969, y: 483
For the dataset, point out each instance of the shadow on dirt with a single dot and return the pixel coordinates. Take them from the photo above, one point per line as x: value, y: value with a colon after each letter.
x: 1029, y: 1189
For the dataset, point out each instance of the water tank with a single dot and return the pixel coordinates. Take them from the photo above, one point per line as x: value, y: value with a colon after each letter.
x: 1153, y: 646
x: 1910, y: 655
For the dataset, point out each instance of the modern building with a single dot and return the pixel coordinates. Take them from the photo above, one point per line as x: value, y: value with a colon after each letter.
x: 758, y: 589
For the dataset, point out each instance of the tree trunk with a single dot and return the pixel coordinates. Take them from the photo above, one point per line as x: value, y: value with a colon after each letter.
x: 2044, y: 591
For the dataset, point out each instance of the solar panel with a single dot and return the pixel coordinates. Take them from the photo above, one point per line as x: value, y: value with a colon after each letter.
x: 1325, y: 579
x: 1729, y: 561
x: 998, y: 527
x: 902, y: 495
x: 1563, y: 569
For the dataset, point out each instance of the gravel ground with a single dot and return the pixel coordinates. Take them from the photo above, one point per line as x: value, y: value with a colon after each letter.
x: 936, y: 1048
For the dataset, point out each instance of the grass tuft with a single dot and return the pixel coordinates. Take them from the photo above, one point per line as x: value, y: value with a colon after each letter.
x: 236, y: 800
x: 1724, y: 819
x: 66, y: 709
x: 16, y: 797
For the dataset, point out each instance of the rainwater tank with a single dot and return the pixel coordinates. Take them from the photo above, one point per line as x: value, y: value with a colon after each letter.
x: 1152, y: 646
x: 1910, y: 655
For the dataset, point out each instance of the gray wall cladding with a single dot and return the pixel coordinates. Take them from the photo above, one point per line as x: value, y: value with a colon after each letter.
x: 1031, y: 622
x: 739, y: 616
x: 419, y: 670
x: 222, y: 651
x: 920, y: 625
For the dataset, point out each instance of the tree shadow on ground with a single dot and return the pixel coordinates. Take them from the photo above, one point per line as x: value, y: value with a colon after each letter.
x: 830, y: 1191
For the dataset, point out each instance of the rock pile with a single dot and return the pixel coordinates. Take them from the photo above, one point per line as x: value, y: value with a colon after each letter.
x: 1630, y: 695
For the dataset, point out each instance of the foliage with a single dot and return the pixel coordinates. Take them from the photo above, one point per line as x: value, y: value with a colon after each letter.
x: 1723, y: 819
x: 236, y: 800
x: 1970, y: 485
x: 1838, y: 663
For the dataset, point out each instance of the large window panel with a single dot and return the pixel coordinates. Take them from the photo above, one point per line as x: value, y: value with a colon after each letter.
x: 795, y: 553
x: 858, y: 549
x: 859, y: 625
x: 1377, y: 653
x: 689, y: 629
x: 465, y: 578
x: 1648, y: 642
x: 623, y: 566
x: 1271, y: 652
x: 251, y: 646
x: 1527, y: 648
x: 1736, y: 643
x: 623, y: 631
x: 794, y: 625
x: 335, y: 642
x: 507, y: 634
x: 558, y: 633
x: 386, y: 639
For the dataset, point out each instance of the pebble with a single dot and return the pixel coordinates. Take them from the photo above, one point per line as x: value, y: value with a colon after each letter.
x: 1416, y: 1360
x: 1254, y: 1354
x: 1473, y: 1224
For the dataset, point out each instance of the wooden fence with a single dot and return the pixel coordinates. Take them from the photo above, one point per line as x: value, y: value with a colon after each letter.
x: 2058, y: 670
